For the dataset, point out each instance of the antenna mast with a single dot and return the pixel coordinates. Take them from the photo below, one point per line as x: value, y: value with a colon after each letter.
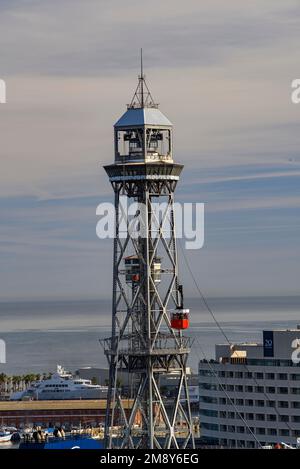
x: 142, y: 97
x: 142, y: 80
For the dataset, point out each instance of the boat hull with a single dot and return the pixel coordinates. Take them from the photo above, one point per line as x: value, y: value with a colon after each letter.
x: 74, y: 442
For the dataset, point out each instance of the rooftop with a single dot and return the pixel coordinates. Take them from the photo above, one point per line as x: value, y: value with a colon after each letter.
x: 56, y: 405
x: 143, y: 116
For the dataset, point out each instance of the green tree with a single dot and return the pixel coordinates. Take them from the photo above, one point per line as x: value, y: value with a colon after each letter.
x: 16, y: 380
x: 3, y: 381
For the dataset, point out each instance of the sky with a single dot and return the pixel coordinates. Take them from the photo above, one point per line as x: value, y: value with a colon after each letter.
x: 222, y: 73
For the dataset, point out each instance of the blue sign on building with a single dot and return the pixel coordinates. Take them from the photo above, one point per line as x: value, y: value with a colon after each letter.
x: 268, y: 343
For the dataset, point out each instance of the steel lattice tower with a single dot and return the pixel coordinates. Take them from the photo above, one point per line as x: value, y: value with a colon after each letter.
x: 147, y: 312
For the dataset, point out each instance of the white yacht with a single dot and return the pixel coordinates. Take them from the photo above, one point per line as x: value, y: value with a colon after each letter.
x: 61, y: 385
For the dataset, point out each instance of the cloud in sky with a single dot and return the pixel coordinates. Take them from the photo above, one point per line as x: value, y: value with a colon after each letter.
x: 72, y: 37
x: 222, y: 73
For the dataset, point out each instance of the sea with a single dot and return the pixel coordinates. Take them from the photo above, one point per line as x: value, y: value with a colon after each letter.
x: 41, y: 334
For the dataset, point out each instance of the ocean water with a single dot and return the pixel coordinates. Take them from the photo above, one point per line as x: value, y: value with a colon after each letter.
x: 39, y: 335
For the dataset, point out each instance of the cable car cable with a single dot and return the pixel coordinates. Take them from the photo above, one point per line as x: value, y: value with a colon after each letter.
x: 222, y: 331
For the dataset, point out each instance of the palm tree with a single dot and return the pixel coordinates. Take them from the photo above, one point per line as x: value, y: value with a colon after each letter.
x: 26, y: 379
x: 3, y: 381
x: 32, y: 377
x: 9, y: 383
x: 16, y: 382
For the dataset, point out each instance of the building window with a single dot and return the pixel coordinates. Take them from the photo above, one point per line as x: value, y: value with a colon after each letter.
x: 249, y: 388
x: 283, y: 418
x: 282, y: 390
x: 295, y: 405
x: 295, y: 376
x: 248, y: 375
x: 270, y: 375
x: 282, y: 376
x: 285, y: 363
x: 239, y: 388
x: 270, y: 389
x: 259, y: 375
x: 208, y: 399
x: 260, y: 403
x: 283, y: 404
x: 250, y: 416
x: 284, y: 432
x: 208, y: 386
x: 206, y: 373
x: 239, y: 374
x: 260, y: 417
x: 271, y: 418
x: 260, y: 431
x: 259, y: 389
x: 296, y: 418
x: 209, y: 413
x: 271, y: 404
x: 263, y: 362
x: 272, y: 431
x: 210, y: 426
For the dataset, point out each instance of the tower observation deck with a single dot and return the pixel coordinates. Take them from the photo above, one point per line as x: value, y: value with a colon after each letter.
x: 148, y: 316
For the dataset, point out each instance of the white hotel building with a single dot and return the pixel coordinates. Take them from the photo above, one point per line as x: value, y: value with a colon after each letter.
x: 258, y: 382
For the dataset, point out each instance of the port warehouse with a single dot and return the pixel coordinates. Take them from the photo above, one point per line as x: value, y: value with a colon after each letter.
x: 59, y: 412
x: 83, y: 411
x: 51, y: 413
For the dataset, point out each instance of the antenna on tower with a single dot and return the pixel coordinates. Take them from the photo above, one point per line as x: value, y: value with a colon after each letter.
x: 142, y: 79
x: 142, y: 97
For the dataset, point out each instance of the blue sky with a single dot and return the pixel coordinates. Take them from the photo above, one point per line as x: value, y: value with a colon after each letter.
x: 222, y: 73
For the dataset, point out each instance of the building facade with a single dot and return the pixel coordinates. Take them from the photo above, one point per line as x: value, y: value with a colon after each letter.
x: 250, y: 393
x: 85, y: 412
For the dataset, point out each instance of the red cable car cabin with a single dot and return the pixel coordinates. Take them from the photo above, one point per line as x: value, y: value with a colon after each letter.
x: 180, y: 319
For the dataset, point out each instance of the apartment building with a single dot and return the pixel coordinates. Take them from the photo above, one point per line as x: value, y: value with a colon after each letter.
x: 250, y: 394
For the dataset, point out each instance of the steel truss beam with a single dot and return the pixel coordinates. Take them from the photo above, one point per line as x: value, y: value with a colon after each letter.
x: 143, y: 344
